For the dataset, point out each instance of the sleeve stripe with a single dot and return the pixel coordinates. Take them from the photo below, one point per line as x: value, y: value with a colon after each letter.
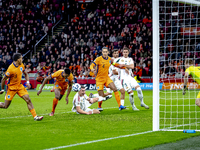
x: 94, y: 63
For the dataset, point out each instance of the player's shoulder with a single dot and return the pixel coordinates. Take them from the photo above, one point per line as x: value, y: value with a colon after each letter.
x: 118, y: 59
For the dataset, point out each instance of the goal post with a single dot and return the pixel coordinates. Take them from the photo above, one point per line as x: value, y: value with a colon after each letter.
x: 176, y: 37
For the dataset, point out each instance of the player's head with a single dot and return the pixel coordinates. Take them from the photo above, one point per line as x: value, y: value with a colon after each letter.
x: 115, y: 53
x: 66, y: 73
x: 188, y: 63
x: 105, y: 52
x: 17, y: 58
x: 82, y: 91
x: 125, y: 52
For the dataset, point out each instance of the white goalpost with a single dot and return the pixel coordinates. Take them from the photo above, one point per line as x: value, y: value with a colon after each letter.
x: 176, y: 37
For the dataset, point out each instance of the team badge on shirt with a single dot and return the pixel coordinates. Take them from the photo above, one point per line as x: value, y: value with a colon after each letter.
x: 8, y: 96
x: 66, y: 80
x: 97, y: 87
x: 122, y: 60
x: 56, y: 85
x: 21, y: 69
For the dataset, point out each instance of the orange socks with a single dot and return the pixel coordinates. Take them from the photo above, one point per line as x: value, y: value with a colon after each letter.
x: 117, y: 97
x: 55, y: 102
x: 99, y: 104
x: 33, y: 112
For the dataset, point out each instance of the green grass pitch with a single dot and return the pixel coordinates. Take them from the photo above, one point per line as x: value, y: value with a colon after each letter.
x: 18, y: 130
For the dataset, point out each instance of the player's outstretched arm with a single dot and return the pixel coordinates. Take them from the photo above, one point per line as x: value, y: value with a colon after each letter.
x: 3, y: 84
x: 68, y: 92
x: 27, y: 79
x: 43, y: 83
x: 185, y: 82
x: 80, y: 111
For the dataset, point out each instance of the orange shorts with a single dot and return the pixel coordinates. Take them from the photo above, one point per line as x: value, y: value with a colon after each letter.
x: 100, y: 84
x: 21, y: 91
x: 63, y: 88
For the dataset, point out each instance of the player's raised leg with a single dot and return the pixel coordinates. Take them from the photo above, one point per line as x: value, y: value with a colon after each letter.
x: 5, y: 105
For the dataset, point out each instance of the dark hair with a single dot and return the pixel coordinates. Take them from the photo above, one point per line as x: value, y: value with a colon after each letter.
x: 115, y: 50
x: 83, y: 86
x: 67, y: 71
x: 16, y: 56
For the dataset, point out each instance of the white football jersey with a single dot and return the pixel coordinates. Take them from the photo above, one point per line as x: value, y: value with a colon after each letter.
x: 110, y: 71
x: 121, y: 72
x: 80, y: 101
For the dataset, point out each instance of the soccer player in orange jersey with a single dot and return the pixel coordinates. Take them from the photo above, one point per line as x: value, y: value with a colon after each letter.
x: 14, y: 86
x: 103, y: 63
x: 64, y: 78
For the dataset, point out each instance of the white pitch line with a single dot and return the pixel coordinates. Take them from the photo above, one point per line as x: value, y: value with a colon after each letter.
x: 100, y: 140
x: 48, y: 113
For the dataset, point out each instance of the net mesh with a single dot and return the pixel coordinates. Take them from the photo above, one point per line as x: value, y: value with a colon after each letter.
x: 179, y: 39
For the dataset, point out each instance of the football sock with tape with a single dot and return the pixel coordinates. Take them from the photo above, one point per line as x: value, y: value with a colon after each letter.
x: 117, y: 97
x: 99, y: 104
x: 33, y: 112
x: 140, y: 95
x: 131, y: 99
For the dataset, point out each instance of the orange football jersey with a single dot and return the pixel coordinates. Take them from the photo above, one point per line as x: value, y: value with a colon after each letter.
x: 102, y: 65
x: 60, y: 79
x: 14, y: 73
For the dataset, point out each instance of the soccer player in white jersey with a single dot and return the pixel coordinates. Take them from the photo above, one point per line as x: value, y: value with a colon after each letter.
x: 127, y: 80
x: 113, y: 74
x: 81, y: 102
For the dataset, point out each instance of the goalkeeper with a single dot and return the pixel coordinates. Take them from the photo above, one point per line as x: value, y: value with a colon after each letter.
x: 195, y: 73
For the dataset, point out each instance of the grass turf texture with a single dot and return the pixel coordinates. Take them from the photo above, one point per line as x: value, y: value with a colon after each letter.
x: 67, y: 128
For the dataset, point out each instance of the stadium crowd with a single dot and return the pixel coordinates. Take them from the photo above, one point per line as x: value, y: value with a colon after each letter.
x: 115, y: 24
x: 22, y: 24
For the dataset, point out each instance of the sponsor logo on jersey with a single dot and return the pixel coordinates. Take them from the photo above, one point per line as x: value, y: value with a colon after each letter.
x: 56, y: 85
x: 21, y: 69
x: 8, y: 96
x: 97, y: 87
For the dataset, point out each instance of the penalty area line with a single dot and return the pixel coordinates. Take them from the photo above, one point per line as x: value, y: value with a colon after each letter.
x: 100, y: 140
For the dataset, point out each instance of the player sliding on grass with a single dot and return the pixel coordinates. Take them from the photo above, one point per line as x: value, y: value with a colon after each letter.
x: 195, y: 73
x: 103, y: 63
x: 64, y: 78
x: 128, y: 82
x: 14, y: 86
x: 81, y: 102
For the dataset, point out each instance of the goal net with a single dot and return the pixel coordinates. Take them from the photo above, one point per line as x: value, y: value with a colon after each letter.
x: 179, y: 39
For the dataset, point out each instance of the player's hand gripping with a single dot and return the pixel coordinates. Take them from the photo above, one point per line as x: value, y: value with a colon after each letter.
x: 38, y: 93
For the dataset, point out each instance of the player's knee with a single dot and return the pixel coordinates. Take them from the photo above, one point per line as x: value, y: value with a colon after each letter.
x: 122, y: 91
x: 57, y: 97
x: 27, y: 99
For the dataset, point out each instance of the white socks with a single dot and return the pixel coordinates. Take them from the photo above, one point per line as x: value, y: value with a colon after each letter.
x: 122, y: 102
x: 101, y: 99
x: 131, y: 99
x: 140, y: 95
x: 95, y: 95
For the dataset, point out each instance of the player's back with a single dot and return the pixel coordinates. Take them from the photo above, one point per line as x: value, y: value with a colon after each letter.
x: 14, y: 73
x: 194, y: 72
x: 102, y: 67
x: 60, y: 78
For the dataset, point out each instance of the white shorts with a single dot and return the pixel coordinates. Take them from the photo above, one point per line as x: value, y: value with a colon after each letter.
x: 117, y: 83
x: 129, y: 83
